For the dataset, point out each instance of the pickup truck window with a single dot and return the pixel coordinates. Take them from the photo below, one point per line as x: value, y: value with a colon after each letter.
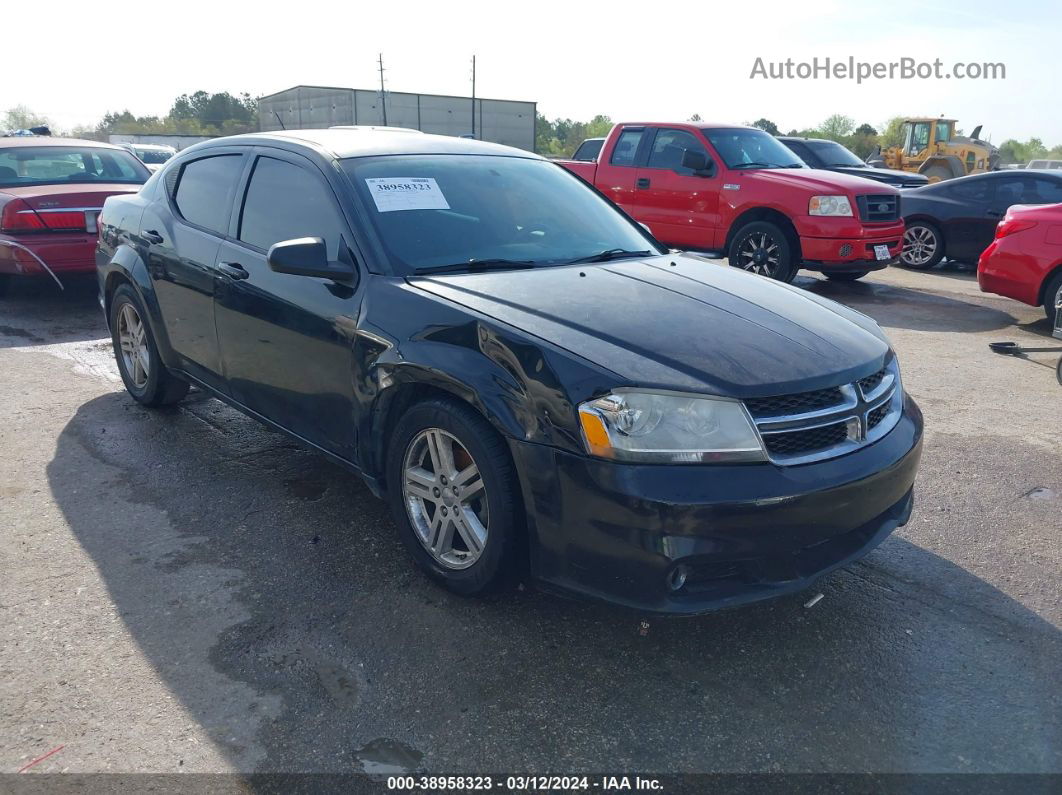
x: 480, y: 208
x: 741, y: 147
x: 626, y: 147
x: 668, y: 147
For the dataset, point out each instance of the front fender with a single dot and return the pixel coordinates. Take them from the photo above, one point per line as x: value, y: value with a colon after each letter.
x: 525, y: 388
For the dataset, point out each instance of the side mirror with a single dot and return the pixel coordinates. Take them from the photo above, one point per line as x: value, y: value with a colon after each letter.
x: 697, y: 162
x: 306, y: 256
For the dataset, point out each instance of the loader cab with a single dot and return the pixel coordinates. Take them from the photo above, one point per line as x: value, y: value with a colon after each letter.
x: 916, y: 138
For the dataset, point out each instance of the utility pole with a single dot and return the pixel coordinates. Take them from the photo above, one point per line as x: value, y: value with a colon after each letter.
x: 473, y: 96
x: 383, y: 97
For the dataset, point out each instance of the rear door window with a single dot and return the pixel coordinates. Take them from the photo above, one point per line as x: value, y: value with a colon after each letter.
x: 284, y: 202
x: 204, y: 191
x: 627, y: 147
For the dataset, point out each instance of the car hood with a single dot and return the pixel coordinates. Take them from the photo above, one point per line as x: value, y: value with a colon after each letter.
x: 816, y: 180
x: 693, y: 325
x: 886, y: 175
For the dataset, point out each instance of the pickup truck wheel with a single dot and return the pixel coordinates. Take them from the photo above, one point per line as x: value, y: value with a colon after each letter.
x: 143, y: 373
x: 453, y: 494
x: 763, y: 248
x: 923, y: 246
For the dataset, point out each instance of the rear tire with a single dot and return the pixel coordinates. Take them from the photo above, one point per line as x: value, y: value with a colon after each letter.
x: 143, y: 373
x: 463, y: 530
x: 845, y: 276
x: 923, y: 246
x: 937, y: 173
x: 764, y: 248
x: 1052, y: 292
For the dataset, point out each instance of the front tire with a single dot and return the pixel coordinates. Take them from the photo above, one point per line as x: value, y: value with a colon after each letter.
x: 762, y: 247
x: 143, y: 373
x: 923, y: 246
x: 454, y: 496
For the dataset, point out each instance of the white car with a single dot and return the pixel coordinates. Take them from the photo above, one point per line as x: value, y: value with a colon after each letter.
x: 151, y: 155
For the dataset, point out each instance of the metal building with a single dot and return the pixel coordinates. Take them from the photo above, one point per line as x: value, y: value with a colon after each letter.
x: 502, y: 121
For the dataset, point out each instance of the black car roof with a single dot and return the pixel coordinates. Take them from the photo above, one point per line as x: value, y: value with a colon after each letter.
x: 342, y: 142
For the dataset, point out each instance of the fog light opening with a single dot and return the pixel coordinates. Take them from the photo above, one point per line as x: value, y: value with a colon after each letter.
x: 676, y: 578
x: 845, y: 250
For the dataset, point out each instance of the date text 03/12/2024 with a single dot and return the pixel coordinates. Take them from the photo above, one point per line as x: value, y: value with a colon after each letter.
x: 523, y: 783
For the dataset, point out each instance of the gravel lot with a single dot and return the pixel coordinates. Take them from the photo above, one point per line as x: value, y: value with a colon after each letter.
x: 185, y: 590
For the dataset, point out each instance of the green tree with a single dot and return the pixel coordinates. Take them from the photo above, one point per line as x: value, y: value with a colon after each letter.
x: 837, y: 127
x: 1012, y: 151
x: 696, y: 117
x: 893, y: 134
x: 22, y: 118
x: 865, y: 129
x: 767, y: 126
x: 561, y: 137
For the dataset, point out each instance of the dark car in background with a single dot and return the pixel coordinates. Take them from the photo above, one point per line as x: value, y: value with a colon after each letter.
x: 589, y: 150
x: 957, y: 218
x: 531, y: 380
x: 832, y: 156
x: 51, y: 191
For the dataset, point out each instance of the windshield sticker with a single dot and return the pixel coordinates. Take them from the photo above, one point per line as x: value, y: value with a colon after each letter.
x: 406, y: 193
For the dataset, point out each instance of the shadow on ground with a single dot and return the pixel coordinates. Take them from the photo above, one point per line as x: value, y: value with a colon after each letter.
x: 269, y: 591
x: 37, y: 312
x: 902, y: 307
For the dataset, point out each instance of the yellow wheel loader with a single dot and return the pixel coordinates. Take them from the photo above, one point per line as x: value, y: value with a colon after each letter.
x: 931, y: 147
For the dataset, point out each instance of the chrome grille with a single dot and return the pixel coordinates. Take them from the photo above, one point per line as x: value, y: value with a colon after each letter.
x: 811, y: 426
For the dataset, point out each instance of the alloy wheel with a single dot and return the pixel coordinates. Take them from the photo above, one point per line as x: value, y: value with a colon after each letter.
x: 445, y: 498
x: 132, y: 337
x: 919, y: 245
x: 759, y: 253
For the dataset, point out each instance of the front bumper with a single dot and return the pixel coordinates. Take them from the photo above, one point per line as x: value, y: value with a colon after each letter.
x: 617, y: 532
x: 847, y: 244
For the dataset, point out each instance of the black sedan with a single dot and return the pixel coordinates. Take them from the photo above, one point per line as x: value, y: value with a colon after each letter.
x: 832, y: 156
x: 532, y: 382
x: 957, y: 218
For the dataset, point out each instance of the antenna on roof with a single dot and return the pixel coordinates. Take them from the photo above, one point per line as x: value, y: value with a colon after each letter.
x: 383, y: 98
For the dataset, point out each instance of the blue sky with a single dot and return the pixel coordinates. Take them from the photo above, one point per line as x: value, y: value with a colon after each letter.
x: 575, y: 61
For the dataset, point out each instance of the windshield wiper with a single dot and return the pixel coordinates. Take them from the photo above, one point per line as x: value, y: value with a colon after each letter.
x: 756, y: 165
x: 474, y: 265
x: 609, y: 254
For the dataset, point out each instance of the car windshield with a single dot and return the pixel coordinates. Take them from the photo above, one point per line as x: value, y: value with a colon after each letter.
x: 430, y: 211
x: 50, y: 165
x: 745, y: 148
x: 154, y: 156
x: 834, y: 154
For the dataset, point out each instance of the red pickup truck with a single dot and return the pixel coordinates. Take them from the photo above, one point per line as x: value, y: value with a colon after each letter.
x: 738, y: 191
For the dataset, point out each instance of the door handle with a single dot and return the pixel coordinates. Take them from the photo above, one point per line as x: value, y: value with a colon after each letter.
x: 151, y: 236
x: 233, y: 270
x: 643, y: 183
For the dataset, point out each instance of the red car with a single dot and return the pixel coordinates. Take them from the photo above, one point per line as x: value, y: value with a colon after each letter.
x: 1024, y: 261
x: 51, y: 191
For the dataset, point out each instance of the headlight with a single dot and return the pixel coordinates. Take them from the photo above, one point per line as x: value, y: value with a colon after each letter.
x: 829, y: 205
x: 629, y: 425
